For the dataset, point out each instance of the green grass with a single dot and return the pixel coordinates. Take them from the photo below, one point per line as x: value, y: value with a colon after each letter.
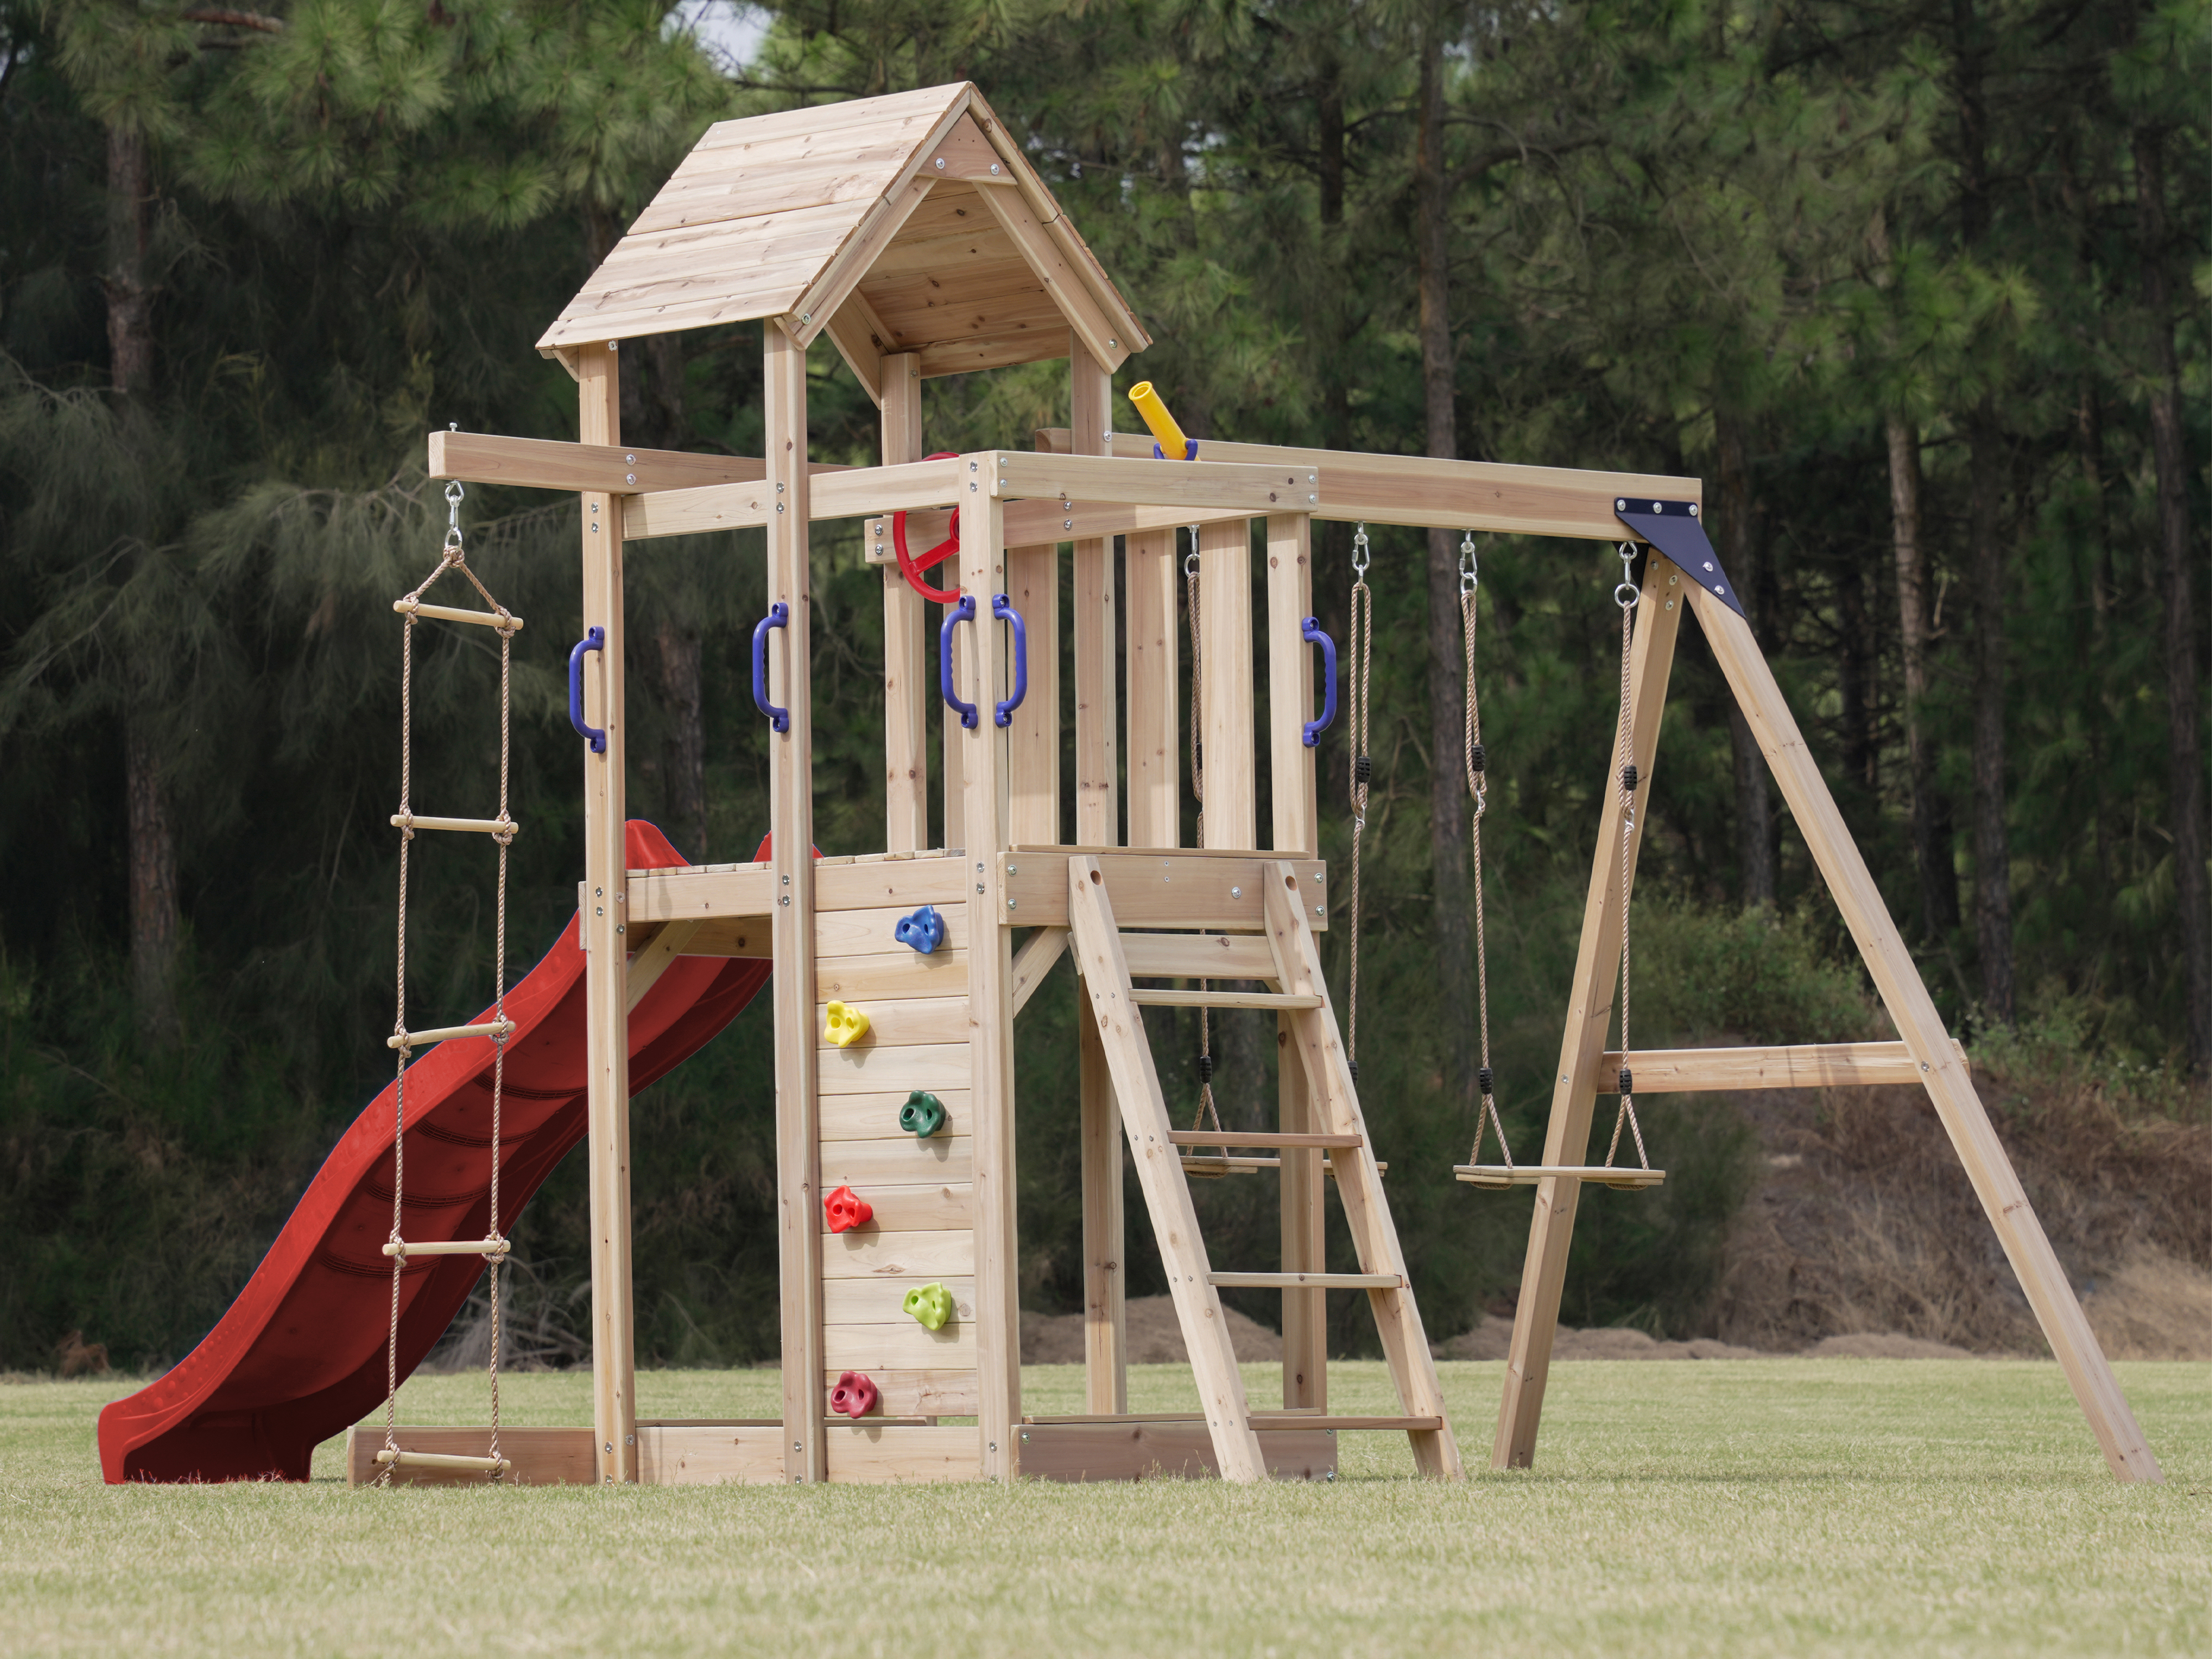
x: 1783, y: 1506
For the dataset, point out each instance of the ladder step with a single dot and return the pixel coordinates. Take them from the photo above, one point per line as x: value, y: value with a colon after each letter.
x: 463, y: 1247
x: 445, y: 1033
x: 451, y: 613
x: 1200, y: 956
x: 415, y: 1460
x: 481, y: 826
x: 1499, y: 1177
x: 1306, y: 1281
x: 1279, y: 1000
x: 1208, y: 1168
x: 1256, y: 1138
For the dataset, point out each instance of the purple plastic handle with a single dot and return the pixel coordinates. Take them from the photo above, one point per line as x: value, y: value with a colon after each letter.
x: 779, y: 615
x: 1310, y: 631
x: 954, y: 614
x: 595, y: 639
x: 1003, y: 609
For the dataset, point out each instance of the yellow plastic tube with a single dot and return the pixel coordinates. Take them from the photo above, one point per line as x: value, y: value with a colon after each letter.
x: 1173, y: 444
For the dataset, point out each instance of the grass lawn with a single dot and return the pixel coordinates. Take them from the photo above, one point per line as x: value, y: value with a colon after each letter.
x: 1773, y: 1506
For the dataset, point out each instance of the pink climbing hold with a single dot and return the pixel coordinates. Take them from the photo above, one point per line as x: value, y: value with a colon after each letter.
x: 854, y: 1396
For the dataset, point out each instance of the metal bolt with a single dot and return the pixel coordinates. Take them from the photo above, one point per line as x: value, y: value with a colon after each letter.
x: 610, y: 1446
x: 1113, y: 343
x: 786, y: 899
x: 1620, y: 506
x: 632, y: 459
x: 778, y: 507
x: 1067, y: 524
x: 1693, y: 509
x: 1236, y: 892
x: 618, y: 927
x: 805, y: 316
x: 630, y: 477
x: 631, y: 1439
x: 1320, y: 910
x: 995, y: 173
x: 1321, y: 878
x: 1013, y: 869
x: 1010, y: 904
x: 599, y: 910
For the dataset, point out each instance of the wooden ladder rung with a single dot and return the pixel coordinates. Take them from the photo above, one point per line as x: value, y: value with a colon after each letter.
x: 1265, y: 1421
x: 446, y: 1033
x: 1498, y: 1177
x: 460, y: 1247
x: 480, y: 826
x: 508, y: 624
x: 418, y: 1460
x: 1306, y: 1281
x: 1205, y: 1168
x: 1283, y: 1000
x: 1256, y: 1138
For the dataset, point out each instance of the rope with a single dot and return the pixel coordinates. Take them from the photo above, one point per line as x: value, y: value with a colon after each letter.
x: 1625, y: 597
x: 1476, y: 763
x: 453, y: 557
x: 1205, y: 1111
x: 1361, y: 645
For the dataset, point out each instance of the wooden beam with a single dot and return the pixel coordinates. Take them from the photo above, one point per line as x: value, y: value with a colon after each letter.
x: 1155, y: 765
x: 1801, y: 1065
x: 1913, y: 1012
x: 603, y: 926
x: 1147, y: 1449
x: 982, y: 677
x: 608, y: 469
x: 1033, y: 738
x: 907, y: 689
x: 1039, y: 952
x: 1230, y: 810
x: 839, y: 492
x: 1256, y: 489
x: 1156, y: 889
x: 1097, y: 764
x: 1105, y: 1317
x: 1411, y: 490
x: 650, y: 959
x: 1095, y: 333
x: 859, y: 342
x: 1589, y: 1011
x: 791, y: 819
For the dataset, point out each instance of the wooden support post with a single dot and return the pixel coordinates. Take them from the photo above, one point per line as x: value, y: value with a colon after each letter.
x: 1033, y: 738
x: 1589, y: 1011
x: 1098, y: 815
x: 1296, y: 831
x: 907, y: 689
x: 983, y: 681
x: 1225, y: 602
x: 1942, y: 1069
x: 791, y: 929
x: 1155, y: 767
x: 1097, y: 824
x: 606, y: 1002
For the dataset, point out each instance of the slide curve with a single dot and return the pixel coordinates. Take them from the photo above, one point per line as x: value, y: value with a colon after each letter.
x: 300, y: 1355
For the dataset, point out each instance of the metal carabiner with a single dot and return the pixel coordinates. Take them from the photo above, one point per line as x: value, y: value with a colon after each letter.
x: 1470, y: 567
x: 1360, y: 560
x: 453, y: 495
x: 1190, y: 559
x: 1627, y: 561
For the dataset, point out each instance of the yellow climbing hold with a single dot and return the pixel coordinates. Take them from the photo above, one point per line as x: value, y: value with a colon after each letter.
x: 844, y: 1026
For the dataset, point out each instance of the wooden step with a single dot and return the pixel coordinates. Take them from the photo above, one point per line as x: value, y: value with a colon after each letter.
x: 1208, y: 1169
x: 1198, y: 956
x: 1256, y: 1138
x: 421, y: 1460
x: 1265, y: 1422
x: 1306, y: 1281
x: 1498, y: 1177
x: 1276, y: 999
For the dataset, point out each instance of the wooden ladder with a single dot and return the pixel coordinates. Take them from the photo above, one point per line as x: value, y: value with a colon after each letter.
x: 1295, y: 965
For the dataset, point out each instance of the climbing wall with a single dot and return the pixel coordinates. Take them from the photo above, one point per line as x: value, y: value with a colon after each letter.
x: 921, y: 1231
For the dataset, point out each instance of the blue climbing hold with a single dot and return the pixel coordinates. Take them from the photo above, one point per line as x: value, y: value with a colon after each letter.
x: 924, y: 930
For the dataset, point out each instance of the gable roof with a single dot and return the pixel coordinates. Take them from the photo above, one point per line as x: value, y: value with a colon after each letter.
x: 909, y: 223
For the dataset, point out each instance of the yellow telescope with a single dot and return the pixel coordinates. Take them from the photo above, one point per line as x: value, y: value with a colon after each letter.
x: 1173, y: 444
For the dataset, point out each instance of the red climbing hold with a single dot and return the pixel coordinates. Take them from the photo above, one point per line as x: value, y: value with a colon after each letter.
x: 854, y: 1396
x: 847, y: 1210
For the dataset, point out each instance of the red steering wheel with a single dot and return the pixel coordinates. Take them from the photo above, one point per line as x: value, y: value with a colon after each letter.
x: 911, y: 567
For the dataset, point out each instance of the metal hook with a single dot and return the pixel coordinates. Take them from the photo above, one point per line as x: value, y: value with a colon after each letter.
x: 1470, y: 567
x: 1359, y: 551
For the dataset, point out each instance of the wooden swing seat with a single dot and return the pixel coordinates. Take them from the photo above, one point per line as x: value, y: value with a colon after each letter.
x: 1498, y: 1177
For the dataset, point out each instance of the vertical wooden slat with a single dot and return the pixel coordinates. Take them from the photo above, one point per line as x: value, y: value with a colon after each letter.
x: 1105, y: 1317
x: 1589, y: 1011
x: 1033, y: 738
x: 1942, y: 1069
x: 1155, y: 769
x: 907, y: 689
x: 1225, y: 585
x: 990, y: 990
x: 1097, y: 809
x: 791, y: 817
x: 606, y: 1003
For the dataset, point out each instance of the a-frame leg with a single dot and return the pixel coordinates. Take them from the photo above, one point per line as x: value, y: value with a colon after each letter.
x: 1358, y: 1182
x: 1910, y: 1007
x: 1119, y: 1022
x: 1590, y: 1013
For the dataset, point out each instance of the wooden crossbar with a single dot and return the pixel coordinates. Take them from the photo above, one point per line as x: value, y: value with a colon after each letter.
x: 1236, y: 1281
x: 418, y: 1460
x: 1501, y: 1177
x: 454, y: 613
x: 479, y: 826
x: 1206, y: 1169
x: 442, y: 1247
x: 1280, y: 1000
x: 1801, y: 1066
x: 446, y: 1033
x: 1257, y: 1138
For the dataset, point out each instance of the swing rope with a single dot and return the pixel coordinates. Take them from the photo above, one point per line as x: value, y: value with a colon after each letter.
x: 1361, y: 642
x: 453, y: 557
x: 1626, y: 596
x: 1477, y: 786
x: 1205, y: 1111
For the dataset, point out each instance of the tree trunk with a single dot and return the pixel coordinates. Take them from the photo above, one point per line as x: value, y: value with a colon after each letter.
x: 1755, y: 817
x: 1992, y: 838
x: 1332, y: 538
x: 683, y: 750
x: 1448, y: 800
x: 154, y: 923
x: 1931, y: 850
x: 129, y: 285
x: 2185, y: 762
x: 1855, y: 672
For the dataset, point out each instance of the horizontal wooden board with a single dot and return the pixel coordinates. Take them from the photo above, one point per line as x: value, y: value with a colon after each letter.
x: 926, y: 1392
x: 867, y: 1302
x: 906, y: 1258
x: 1198, y: 956
x: 860, y: 1452
x: 853, y: 494
x: 732, y: 936
x: 1139, y: 1451
x: 1162, y: 890
x: 868, y: 1165
x: 919, y: 1021
x: 681, y: 895
x: 861, y: 1069
x: 946, y: 1206
x: 1254, y: 489
x: 1801, y: 1065
x: 884, y: 1346
x: 901, y: 974
x: 539, y: 464
x: 541, y: 1457
x: 901, y: 883
x: 1408, y: 490
x: 973, y: 242
x: 875, y: 1116
x: 708, y: 1454
x: 976, y: 356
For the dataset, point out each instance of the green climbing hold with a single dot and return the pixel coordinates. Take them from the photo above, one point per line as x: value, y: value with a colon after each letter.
x: 931, y: 1304
x: 923, y: 1115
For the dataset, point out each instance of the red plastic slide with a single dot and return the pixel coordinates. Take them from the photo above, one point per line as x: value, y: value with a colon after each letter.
x: 300, y: 1354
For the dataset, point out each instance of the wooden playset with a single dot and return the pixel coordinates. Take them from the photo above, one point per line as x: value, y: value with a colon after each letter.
x: 912, y: 232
